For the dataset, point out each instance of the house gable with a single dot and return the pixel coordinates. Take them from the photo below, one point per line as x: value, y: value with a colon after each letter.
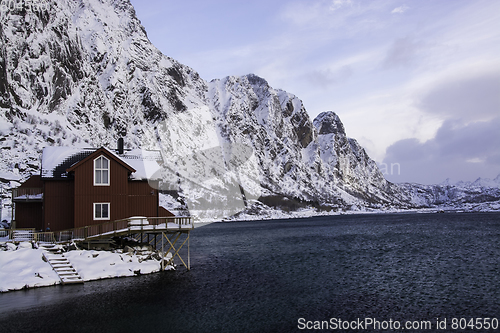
x: 57, y: 161
x: 96, y: 154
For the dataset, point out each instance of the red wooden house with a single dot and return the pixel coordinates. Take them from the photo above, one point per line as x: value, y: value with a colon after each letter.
x: 79, y: 187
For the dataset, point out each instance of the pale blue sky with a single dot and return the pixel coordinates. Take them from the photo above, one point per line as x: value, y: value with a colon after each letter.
x: 411, y: 80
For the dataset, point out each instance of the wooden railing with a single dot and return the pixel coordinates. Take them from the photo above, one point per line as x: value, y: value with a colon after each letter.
x: 27, y: 193
x: 44, y: 237
x: 128, y: 225
x: 22, y: 234
x: 108, y: 229
x: 29, y: 234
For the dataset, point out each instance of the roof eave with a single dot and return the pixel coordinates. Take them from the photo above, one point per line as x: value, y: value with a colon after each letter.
x: 95, y: 154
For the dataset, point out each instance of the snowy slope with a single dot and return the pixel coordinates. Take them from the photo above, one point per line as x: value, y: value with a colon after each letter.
x: 82, y: 73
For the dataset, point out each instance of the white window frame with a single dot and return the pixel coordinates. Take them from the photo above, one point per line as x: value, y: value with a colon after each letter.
x: 102, y: 218
x: 101, y: 169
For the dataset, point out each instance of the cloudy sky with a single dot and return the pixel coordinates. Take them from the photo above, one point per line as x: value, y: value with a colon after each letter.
x: 417, y: 83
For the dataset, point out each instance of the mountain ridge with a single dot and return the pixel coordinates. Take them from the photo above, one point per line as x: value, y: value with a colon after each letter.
x: 84, y: 73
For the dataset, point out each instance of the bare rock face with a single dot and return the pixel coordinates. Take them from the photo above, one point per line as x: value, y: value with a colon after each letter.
x: 329, y: 123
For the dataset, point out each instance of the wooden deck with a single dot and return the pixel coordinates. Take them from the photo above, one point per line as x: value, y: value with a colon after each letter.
x: 173, y: 231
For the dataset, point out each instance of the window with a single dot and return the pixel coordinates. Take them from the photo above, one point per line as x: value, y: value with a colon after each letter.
x: 101, y: 171
x: 101, y: 211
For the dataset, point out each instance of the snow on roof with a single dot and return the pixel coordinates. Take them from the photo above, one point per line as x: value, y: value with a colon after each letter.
x: 55, y: 161
x: 145, y: 162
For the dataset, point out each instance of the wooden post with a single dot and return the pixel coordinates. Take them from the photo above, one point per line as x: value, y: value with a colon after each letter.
x: 189, y: 256
x: 162, y: 254
x: 142, y: 232
x: 172, y: 246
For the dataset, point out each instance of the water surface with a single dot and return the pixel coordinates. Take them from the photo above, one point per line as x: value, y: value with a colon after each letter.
x: 262, y: 276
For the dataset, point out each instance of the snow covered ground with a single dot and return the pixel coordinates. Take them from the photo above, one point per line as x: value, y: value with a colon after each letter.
x: 22, y: 266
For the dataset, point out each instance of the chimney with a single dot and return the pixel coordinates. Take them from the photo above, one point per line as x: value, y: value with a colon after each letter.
x: 120, y: 146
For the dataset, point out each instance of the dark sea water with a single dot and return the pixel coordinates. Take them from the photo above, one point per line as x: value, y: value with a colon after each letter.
x: 264, y: 276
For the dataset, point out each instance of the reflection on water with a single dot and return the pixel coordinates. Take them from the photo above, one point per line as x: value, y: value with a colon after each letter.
x: 263, y: 276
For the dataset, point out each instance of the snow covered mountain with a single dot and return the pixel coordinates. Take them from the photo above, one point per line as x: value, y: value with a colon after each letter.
x: 480, y: 195
x: 83, y: 73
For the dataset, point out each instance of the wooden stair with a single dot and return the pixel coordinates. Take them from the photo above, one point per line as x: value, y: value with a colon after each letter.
x: 60, y: 264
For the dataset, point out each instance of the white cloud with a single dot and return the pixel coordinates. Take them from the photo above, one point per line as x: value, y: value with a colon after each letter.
x: 327, y: 77
x: 302, y: 14
x: 470, y: 98
x: 459, y: 151
x: 337, y: 4
x: 475, y: 160
x: 400, y: 9
x: 403, y: 52
x: 339, y: 16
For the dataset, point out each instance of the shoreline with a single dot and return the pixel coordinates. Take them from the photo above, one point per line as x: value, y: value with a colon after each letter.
x: 492, y: 207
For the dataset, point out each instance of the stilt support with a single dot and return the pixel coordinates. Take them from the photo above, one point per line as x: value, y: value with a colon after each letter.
x: 172, y: 241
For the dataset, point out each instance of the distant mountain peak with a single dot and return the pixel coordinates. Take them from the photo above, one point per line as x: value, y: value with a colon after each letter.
x: 256, y: 80
x: 329, y: 123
